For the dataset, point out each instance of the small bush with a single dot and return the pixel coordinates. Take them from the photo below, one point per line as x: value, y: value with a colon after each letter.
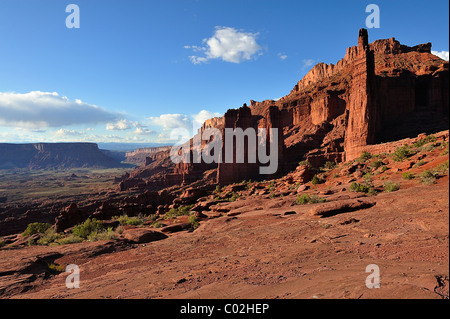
x: 55, y: 268
x: 408, y: 175
x: 401, y: 153
x: 193, y: 220
x: 419, y: 163
x: 317, y: 180
x: 304, y: 163
x: 233, y: 197
x: 316, y: 199
x: 330, y: 165
x: 85, y: 229
x: 50, y: 237
x: 365, y: 156
x: 125, y: 220
x: 428, y: 177
x: 306, y: 199
x: 384, y: 168
x: 157, y: 225
x: 180, y: 211
x: 391, y: 187
x: 423, y: 141
x: 302, y: 199
x: 360, y: 188
x: 271, y: 186
x: 72, y: 239
x: 376, y: 164
x: 107, y: 234
x: 36, y: 228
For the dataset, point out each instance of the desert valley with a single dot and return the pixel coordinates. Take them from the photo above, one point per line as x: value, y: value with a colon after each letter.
x: 362, y: 179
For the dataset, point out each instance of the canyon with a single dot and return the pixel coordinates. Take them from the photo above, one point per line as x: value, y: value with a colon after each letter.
x: 362, y: 178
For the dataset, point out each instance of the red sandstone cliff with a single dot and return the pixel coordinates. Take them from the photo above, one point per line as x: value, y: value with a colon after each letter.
x: 378, y: 92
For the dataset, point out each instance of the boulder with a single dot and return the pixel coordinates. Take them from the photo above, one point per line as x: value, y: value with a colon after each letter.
x: 142, y: 235
x: 176, y: 228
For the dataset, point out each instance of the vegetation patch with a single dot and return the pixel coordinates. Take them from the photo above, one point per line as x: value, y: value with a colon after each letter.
x: 36, y: 228
x: 180, y: 211
x: 306, y: 199
x: 402, y: 153
x: 391, y: 187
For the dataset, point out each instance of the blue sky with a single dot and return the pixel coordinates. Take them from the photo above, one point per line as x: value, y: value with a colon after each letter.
x: 136, y: 69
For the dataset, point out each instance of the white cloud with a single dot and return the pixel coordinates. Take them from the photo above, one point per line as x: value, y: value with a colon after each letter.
x: 307, y: 63
x: 444, y: 55
x: 143, y: 131
x: 282, y: 56
x: 202, y: 116
x: 178, y: 127
x: 120, y: 125
x: 65, y: 133
x: 44, y: 109
x: 227, y: 44
x: 172, y: 121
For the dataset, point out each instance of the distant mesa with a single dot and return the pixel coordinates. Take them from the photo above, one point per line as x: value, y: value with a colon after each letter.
x: 54, y: 156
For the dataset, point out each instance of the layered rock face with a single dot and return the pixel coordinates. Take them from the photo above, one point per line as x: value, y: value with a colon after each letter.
x: 54, y: 155
x: 379, y: 92
x: 144, y: 155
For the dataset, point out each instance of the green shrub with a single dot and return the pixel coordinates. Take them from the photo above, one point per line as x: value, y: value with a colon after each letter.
x: 306, y: 199
x: 125, y: 220
x: 302, y: 199
x: 317, y: 180
x: 365, y: 156
x: 376, y: 164
x: 384, y: 168
x: 423, y: 141
x: 85, y: 229
x: 36, y: 228
x: 49, y: 237
x: 107, y: 234
x: 360, y: 188
x: 157, y: 225
x: 180, y: 211
x: 419, y: 163
x: 72, y: 239
x: 271, y: 186
x: 316, y: 199
x: 193, y: 220
x: 330, y: 165
x: 443, y: 168
x: 408, y: 175
x: 391, y: 187
x: 304, y: 163
x: 56, y: 269
x: 428, y: 177
x: 401, y: 153
x: 233, y: 197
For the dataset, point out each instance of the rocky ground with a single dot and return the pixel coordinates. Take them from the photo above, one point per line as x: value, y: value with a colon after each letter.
x: 285, y: 238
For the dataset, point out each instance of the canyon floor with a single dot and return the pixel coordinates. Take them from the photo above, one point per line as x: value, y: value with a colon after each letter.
x: 265, y: 246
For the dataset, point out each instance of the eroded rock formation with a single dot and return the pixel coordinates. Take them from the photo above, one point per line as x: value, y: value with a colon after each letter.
x: 379, y: 92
